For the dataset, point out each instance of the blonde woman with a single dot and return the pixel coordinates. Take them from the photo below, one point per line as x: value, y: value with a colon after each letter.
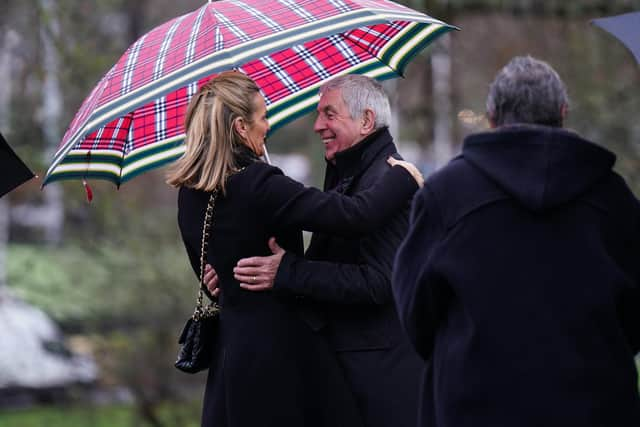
x: 271, y: 368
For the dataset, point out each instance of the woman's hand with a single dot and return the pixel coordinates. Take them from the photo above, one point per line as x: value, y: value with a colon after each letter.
x: 211, y: 281
x: 410, y: 167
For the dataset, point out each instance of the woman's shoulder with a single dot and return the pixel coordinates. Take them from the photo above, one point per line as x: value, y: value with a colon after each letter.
x: 188, y: 194
x: 191, y: 201
x: 255, y: 174
x: 263, y: 168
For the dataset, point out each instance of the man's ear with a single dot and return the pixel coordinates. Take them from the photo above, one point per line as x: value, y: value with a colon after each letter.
x: 240, y: 126
x: 564, y: 111
x: 492, y: 121
x: 368, y: 122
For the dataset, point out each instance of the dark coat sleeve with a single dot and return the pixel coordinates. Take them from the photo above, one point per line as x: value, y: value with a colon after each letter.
x: 288, y: 204
x: 629, y: 301
x: 368, y: 282
x: 421, y: 295
x: 190, y: 229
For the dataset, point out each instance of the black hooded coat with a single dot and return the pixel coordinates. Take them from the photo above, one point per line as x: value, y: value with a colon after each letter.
x: 518, y: 283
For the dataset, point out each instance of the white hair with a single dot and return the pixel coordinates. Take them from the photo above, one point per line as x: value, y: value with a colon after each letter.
x: 360, y: 93
x: 527, y: 90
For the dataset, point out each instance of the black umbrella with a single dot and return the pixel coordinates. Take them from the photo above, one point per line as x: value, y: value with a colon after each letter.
x: 13, y: 171
x: 626, y: 28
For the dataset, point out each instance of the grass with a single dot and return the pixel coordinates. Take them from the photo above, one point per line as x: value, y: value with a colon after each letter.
x: 171, y: 415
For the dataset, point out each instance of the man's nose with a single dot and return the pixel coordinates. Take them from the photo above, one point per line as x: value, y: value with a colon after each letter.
x: 318, y: 125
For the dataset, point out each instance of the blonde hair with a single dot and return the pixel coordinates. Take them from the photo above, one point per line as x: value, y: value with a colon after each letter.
x: 211, y: 138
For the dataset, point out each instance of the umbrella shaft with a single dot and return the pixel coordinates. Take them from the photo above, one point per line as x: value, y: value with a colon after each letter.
x: 266, y: 155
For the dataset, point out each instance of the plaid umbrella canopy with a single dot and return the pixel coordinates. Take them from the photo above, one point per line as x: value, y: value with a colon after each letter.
x: 133, y: 119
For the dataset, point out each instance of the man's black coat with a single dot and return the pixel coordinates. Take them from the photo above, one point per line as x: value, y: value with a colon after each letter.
x: 351, y: 278
x: 518, y: 283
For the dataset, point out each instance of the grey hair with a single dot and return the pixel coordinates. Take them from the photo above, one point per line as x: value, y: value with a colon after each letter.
x: 360, y: 93
x: 527, y: 90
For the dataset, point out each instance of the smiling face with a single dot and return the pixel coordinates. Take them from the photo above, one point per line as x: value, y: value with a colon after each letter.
x: 337, y: 129
x: 255, y: 133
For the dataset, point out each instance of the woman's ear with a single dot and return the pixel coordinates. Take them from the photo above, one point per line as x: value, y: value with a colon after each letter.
x: 240, y: 126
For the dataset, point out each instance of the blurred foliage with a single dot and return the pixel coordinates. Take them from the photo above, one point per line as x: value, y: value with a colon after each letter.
x: 104, y: 285
x: 171, y: 414
x: 128, y: 289
x: 602, y: 77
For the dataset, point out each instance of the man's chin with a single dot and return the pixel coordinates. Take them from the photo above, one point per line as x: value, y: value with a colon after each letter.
x: 330, y: 156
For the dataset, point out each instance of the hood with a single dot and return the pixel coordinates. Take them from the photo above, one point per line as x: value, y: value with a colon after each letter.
x: 540, y: 166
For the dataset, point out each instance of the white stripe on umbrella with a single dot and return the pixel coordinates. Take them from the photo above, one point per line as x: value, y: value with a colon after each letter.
x: 277, y: 69
x: 340, y: 5
x: 191, y: 46
x: 233, y: 28
x: 311, y: 60
x: 344, y: 49
x: 261, y: 16
x: 116, y: 131
x: 298, y: 10
x: 131, y: 63
x: 160, y: 110
x: 146, y: 161
x: 97, y: 141
x: 128, y: 146
x: 160, y: 104
x: 164, y: 49
x: 400, y: 53
x: 219, y: 40
x: 90, y: 167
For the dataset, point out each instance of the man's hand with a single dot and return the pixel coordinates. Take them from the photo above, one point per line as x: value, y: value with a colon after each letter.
x: 258, y: 273
x: 211, y: 280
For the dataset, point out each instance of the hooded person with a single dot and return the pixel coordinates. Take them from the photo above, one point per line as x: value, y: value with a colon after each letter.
x: 518, y: 282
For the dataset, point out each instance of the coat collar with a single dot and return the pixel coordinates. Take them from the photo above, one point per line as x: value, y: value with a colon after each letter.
x: 244, y: 156
x: 354, y: 160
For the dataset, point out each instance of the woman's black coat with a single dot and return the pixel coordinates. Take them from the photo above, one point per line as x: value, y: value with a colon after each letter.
x: 519, y: 284
x: 270, y: 368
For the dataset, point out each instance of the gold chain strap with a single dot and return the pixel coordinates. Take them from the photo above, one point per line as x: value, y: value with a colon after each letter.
x: 212, y: 309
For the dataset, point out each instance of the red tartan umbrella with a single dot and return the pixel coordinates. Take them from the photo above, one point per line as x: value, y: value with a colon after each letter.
x: 133, y: 119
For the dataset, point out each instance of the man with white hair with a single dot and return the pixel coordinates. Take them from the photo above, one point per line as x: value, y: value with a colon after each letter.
x: 346, y: 283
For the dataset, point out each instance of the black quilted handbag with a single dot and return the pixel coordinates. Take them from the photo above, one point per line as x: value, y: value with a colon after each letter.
x: 199, y: 333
